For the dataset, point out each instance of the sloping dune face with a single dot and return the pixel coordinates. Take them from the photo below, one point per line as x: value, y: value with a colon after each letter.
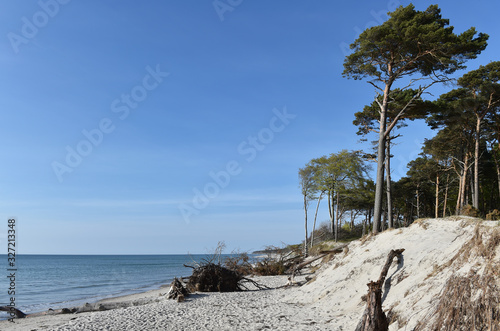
x: 441, y: 256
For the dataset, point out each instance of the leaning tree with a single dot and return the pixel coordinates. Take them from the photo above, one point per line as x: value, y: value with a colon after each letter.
x: 366, y: 121
x: 411, y: 46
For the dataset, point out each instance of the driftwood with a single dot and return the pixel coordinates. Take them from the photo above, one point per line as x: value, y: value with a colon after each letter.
x: 374, y: 318
x: 336, y: 250
x: 17, y: 312
x: 305, y: 263
x: 298, y: 267
x: 324, y: 253
x: 177, y: 291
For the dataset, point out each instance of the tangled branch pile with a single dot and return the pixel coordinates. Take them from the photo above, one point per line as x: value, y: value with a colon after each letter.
x: 279, y: 262
x: 218, y: 274
x: 212, y: 277
x: 239, y: 263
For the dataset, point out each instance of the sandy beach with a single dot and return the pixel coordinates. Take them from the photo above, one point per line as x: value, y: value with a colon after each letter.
x: 248, y: 310
x: 436, y: 251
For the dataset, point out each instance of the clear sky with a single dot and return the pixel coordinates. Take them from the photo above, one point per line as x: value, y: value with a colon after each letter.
x: 159, y: 127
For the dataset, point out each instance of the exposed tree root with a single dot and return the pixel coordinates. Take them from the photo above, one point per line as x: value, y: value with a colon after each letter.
x: 374, y: 318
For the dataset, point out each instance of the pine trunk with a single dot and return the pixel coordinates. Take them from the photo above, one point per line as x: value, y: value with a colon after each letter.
x: 379, y: 187
x: 305, y: 211
x: 497, y: 164
x: 352, y: 220
x: 464, y: 182
x: 388, y: 183
x: 446, y: 195
x: 337, y: 225
x: 384, y: 220
x: 330, y: 211
x: 475, y: 192
x: 436, y: 214
x: 418, y: 203
x: 315, y: 217
x: 364, y: 225
x: 461, y: 186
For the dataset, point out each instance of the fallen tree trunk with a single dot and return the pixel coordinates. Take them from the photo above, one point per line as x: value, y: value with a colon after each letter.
x: 17, y: 312
x: 305, y: 263
x: 374, y: 318
x: 336, y: 250
x: 301, y: 265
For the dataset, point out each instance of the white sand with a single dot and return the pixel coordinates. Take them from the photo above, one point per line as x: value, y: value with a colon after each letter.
x: 332, y: 301
x: 250, y: 310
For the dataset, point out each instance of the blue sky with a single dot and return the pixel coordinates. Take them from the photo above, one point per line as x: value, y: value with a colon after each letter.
x: 117, y: 116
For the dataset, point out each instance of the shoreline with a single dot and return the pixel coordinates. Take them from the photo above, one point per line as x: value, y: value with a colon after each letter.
x: 151, y: 310
x: 34, y: 319
x: 123, y: 295
x: 65, y: 281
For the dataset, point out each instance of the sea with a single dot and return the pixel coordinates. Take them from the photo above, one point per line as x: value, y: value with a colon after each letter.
x: 63, y: 281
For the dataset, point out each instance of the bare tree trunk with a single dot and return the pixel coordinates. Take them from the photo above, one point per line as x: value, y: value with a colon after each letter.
x: 330, y: 211
x: 446, y: 194
x: 379, y: 186
x: 388, y: 183
x: 418, y: 203
x: 352, y: 220
x: 475, y: 192
x: 370, y: 217
x: 315, y: 217
x: 471, y: 189
x: 374, y: 318
x: 497, y: 165
x: 397, y: 221
x: 464, y: 181
x: 436, y: 214
x: 462, y: 184
x: 377, y: 215
x: 459, y: 195
x: 410, y: 216
x: 305, y: 211
x: 384, y: 220
x: 364, y: 224
x: 337, y: 225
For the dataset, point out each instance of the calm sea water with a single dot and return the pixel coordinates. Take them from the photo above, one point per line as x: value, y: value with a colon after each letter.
x: 57, y: 281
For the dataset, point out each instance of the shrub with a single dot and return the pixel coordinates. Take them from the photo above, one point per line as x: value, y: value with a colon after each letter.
x: 322, y: 246
x: 468, y: 210
x: 493, y: 215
